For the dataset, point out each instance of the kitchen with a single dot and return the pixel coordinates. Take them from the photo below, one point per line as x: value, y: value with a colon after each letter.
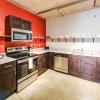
x: 49, y: 50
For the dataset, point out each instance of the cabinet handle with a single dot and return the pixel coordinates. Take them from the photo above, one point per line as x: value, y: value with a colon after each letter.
x: 7, y: 66
x: 15, y: 71
x: 44, y: 59
x: 22, y: 61
x: 38, y: 61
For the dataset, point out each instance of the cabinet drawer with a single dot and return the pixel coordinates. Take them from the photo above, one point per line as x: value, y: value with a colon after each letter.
x: 9, y: 65
x: 90, y: 60
x: 74, y: 57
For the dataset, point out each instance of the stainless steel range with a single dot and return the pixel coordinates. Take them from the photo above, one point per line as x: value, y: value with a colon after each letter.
x: 26, y: 65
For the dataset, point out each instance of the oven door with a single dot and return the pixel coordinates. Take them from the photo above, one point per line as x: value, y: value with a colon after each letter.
x: 21, y: 35
x: 22, y: 68
x: 26, y: 66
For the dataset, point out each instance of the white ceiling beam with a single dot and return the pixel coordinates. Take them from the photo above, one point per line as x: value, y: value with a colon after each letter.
x: 62, y: 6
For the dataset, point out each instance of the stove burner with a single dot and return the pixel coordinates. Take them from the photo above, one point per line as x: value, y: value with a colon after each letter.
x: 19, y: 52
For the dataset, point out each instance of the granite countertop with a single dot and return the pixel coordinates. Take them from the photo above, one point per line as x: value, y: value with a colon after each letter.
x: 41, y: 51
x: 6, y: 60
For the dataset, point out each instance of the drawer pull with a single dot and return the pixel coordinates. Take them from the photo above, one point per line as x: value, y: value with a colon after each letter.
x: 7, y: 66
x: 15, y: 71
x: 22, y: 61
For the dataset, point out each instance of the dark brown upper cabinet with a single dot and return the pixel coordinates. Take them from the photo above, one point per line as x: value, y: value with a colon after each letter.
x: 15, y: 22
x: 26, y: 25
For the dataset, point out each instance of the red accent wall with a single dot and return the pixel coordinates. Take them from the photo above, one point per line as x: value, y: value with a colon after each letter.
x: 38, y: 25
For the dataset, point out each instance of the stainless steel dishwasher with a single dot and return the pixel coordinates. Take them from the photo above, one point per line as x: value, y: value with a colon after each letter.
x: 61, y: 63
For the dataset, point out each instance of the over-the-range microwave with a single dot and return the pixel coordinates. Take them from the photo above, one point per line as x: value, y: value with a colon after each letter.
x: 21, y: 35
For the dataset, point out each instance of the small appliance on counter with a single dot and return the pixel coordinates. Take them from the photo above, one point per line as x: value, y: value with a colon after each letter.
x: 47, y: 48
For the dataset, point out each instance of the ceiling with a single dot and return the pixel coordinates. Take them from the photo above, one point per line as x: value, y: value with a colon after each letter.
x: 54, y: 8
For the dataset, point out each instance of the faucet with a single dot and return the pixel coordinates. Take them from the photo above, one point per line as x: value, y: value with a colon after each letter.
x: 81, y: 50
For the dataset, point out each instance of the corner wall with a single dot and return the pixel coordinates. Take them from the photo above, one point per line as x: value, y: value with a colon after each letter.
x: 82, y: 24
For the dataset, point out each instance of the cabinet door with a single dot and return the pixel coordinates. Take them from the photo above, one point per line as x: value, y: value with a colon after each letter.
x: 46, y: 59
x: 41, y: 64
x: 88, y: 69
x: 74, y: 67
x: 51, y: 60
x: 8, y: 78
x: 26, y: 25
x: 98, y: 70
x: 15, y: 22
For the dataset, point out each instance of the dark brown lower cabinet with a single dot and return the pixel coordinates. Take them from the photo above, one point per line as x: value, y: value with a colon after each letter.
x: 98, y: 70
x: 88, y: 68
x: 51, y: 60
x: 81, y: 66
x: 74, y: 65
x: 7, y: 79
x: 42, y: 63
x: 46, y: 56
x: 84, y: 67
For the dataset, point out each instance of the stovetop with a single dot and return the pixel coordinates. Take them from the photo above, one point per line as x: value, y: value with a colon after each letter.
x: 19, y: 52
x: 21, y: 55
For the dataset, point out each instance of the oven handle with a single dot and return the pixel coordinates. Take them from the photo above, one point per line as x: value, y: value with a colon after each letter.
x: 6, y: 67
x: 35, y: 57
x: 26, y: 60
x: 22, y: 61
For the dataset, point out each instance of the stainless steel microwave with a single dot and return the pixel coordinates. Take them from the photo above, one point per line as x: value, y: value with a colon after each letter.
x: 21, y: 35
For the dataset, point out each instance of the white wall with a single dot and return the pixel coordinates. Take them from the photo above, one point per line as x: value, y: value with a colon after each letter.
x: 83, y: 23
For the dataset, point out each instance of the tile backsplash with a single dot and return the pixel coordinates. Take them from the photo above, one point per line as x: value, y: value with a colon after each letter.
x: 75, y: 47
x: 84, y: 26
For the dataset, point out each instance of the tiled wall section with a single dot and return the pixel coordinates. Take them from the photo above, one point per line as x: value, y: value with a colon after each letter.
x: 83, y: 24
x: 38, y: 25
x: 89, y: 48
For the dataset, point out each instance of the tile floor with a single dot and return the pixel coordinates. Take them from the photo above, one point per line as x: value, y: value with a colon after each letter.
x: 53, y: 85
